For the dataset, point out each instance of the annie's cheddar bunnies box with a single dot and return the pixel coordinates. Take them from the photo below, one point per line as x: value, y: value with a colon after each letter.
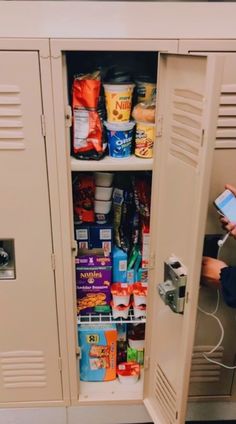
x: 93, y: 283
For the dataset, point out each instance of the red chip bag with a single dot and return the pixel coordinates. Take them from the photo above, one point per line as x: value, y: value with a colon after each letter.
x: 87, y: 131
x: 87, y: 125
x: 83, y: 197
x: 86, y: 91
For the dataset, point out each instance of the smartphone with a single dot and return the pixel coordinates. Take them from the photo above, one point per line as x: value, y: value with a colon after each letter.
x: 226, y: 205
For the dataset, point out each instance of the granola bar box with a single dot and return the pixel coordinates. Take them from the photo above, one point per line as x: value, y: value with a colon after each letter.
x: 98, y: 352
x: 93, y: 283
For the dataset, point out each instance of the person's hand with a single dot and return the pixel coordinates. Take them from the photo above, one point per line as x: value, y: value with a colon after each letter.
x: 210, y: 273
x: 227, y: 225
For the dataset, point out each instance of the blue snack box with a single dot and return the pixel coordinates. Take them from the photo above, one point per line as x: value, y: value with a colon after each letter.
x: 101, y: 236
x: 119, y: 270
x: 93, y: 236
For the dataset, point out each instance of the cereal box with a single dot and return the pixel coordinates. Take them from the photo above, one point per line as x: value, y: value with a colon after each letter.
x: 98, y: 352
x: 93, y: 280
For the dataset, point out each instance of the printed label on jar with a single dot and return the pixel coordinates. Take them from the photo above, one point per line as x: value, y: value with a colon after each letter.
x: 144, y: 139
x: 118, y: 102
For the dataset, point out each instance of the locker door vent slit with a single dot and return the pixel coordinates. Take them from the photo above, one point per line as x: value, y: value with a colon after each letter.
x: 165, y: 395
x: 186, y: 128
x: 226, y: 124
x: 23, y: 369
x: 203, y: 371
x: 11, y: 122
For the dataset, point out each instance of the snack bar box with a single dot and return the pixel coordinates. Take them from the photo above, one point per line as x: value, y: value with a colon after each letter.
x: 94, y: 236
x: 93, y: 281
x: 98, y: 352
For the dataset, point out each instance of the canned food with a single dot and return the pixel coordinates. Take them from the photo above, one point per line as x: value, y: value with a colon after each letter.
x: 144, y: 139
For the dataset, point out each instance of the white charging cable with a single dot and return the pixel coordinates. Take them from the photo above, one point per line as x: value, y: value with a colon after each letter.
x: 212, y: 314
x: 222, y: 241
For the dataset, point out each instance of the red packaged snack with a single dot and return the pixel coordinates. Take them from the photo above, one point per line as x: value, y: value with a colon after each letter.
x: 87, y: 132
x: 83, y: 197
x: 87, y: 125
x: 86, y: 90
x: 128, y: 372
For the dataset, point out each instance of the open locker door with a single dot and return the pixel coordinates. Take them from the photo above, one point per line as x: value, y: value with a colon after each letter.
x: 188, y: 99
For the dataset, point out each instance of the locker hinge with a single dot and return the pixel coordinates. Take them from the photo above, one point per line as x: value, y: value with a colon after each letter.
x: 68, y: 116
x: 60, y: 363
x: 159, y: 126
x: 53, y: 261
x: 146, y: 362
x: 202, y: 137
x: 187, y: 297
x: 78, y: 352
x: 43, y: 125
x: 152, y: 260
x: 74, y: 247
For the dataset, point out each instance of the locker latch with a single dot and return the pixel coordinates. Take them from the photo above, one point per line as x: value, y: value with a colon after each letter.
x: 172, y: 291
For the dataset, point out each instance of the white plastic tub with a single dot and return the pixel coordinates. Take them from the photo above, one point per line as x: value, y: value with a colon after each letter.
x: 103, y: 179
x: 103, y: 193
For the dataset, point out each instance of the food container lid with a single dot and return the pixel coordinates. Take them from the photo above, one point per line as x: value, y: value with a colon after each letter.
x: 120, y: 126
x: 117, y: 75
x: 145, y: 78
x: 147, y: 124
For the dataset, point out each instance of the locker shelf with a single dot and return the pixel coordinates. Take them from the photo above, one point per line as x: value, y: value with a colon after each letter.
x: 111, y: 391
x: 107, y: 318
x: 132, y: 163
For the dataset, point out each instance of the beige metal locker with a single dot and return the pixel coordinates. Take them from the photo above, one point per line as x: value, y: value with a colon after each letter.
x: 208, y: 379
x: 29, y: 353
x: 181, y: 182
x: 187, y: 111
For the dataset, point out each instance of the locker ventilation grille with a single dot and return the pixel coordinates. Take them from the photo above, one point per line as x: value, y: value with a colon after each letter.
x: 165, y: 395
x: 23, y: 369
x: 226, y: 124
x: 203, y: 371
x: 11, y: 123
x: 186, y: 131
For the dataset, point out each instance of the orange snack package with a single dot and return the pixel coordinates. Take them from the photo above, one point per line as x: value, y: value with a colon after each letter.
x: 85, y: 90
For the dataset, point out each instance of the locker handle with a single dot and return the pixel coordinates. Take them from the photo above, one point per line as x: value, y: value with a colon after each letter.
x: 172, y: 290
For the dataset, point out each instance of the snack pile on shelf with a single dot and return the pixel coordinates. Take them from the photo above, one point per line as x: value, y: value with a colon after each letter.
x: 111, y: 350
x: 112, y: 270
x: 103, y: 107
x: 113, y: 241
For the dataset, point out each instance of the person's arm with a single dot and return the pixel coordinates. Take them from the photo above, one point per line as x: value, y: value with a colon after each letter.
x: 218, y: 274
x: 228, y: 285
x: 211, y: 269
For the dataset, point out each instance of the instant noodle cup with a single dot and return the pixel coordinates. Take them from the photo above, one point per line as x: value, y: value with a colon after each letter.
x: 102, y: 209
x: 103, y: 193
x: 120, y: 311
x: 118, y: 101
x: 144, y: 139
x: 139, y: 310
x: 136, y: 344
x: 120, y: 137
x: 103, y: 179
x: 120, y: 294
x: 139, y: 294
